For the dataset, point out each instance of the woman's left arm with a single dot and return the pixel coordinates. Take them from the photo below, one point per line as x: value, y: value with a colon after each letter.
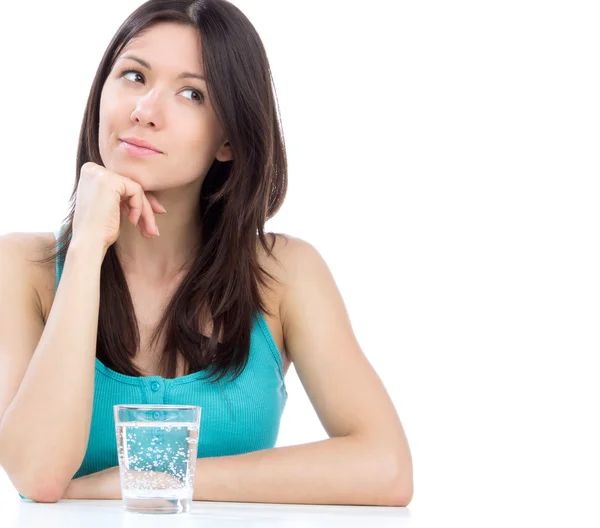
x: 366, y: 460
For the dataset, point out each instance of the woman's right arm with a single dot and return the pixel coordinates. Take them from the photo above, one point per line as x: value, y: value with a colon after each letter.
x: 46, y: 372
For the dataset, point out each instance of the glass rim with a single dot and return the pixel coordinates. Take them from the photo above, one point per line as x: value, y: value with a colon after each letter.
x: 143, y: 406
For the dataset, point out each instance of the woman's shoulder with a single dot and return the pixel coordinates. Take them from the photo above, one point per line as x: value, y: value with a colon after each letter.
x: 280, y: 264
x: 288, y: 251
x: 284, y: 245
x: 29, y: 242
x: 29, y: 248
x: 289, y: 260
x: 285, y: 249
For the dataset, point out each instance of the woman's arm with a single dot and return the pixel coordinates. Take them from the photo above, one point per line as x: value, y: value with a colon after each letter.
x: 47, y: 387
x: 367, y: 459
x: 346, y: 470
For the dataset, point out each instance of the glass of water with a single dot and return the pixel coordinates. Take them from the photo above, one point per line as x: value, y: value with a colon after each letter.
x: 157, y: 447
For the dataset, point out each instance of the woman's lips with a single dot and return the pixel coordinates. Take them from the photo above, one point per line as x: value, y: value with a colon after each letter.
x: 134, y: 150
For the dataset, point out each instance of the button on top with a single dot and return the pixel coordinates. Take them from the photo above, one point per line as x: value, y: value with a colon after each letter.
x: 155, y: 386
x: 156, y: 415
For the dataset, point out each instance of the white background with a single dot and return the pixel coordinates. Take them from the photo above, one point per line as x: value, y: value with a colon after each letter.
x: 443, y: 158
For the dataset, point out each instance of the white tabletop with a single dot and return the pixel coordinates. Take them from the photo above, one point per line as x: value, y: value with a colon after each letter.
x: 100, y: 514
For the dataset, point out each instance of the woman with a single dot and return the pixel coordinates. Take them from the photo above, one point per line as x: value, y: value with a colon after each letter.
x: 181, y: 133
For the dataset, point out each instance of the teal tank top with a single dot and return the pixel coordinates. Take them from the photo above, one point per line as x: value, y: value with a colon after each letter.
x: 237, y: 416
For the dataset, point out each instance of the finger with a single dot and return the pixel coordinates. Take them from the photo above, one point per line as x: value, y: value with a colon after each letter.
x: 139, y: 205
x: 149, y: 219
x: 140, y: 219
x: 157, y: 207
x: 132, y: 192
x: 134, y: 213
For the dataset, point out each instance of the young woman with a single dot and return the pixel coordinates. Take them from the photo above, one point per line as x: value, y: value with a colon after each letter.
x: 181, y: 133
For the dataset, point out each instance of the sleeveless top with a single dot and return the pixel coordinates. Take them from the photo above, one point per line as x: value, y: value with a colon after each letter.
x: 237, y: 416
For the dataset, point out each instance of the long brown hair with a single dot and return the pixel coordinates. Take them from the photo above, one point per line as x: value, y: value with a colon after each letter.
x: 237, y: 198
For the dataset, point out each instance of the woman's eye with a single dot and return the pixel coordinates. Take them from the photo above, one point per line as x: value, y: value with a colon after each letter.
x: 135, y: 72
x: 197, y: 96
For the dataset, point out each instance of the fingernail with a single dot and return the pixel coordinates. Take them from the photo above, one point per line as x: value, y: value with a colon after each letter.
x: 163, y: 209
x: 157, y: 231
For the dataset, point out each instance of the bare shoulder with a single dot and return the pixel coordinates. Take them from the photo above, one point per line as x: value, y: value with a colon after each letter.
x: 298, y: 261
x: 292, y: 253
x: 29, y: 247
x: 281, y: 264
x: 286, y: 257
x: 26, y: 249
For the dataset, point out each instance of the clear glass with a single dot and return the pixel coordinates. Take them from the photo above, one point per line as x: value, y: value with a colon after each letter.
x: 157, y: 447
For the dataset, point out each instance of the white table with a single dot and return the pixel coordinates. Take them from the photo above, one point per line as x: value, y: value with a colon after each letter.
x: 102, y: 514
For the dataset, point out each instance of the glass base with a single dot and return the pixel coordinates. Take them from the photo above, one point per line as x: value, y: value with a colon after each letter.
x: 157, y: 505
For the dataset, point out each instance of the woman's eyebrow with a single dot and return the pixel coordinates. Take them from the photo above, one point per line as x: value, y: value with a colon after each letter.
x: 145, y: 64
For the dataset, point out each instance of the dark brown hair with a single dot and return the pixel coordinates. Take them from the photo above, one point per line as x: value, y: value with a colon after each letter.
x: 237, y: 198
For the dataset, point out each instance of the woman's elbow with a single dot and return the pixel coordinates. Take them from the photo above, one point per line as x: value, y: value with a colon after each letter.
x: 44, y: 491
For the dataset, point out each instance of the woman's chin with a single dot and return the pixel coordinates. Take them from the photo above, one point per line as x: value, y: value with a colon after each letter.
x: 125, y: 170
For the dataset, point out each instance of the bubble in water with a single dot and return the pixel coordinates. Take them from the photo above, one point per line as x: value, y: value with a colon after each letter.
x: 167, y: 469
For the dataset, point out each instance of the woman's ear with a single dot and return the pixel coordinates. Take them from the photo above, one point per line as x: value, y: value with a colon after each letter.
x: 225, y: 153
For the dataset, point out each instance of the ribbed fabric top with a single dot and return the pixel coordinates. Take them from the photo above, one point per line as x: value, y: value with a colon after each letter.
x: 237, y: 416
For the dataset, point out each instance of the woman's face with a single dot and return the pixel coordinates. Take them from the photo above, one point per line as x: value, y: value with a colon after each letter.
x: 172, y: 113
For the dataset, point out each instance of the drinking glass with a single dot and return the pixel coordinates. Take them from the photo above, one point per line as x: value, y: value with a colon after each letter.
x: 157, y: 447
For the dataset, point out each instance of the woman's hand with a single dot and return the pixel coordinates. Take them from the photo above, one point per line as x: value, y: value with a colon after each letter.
x: 106, y: 484
x: 102, y: 197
